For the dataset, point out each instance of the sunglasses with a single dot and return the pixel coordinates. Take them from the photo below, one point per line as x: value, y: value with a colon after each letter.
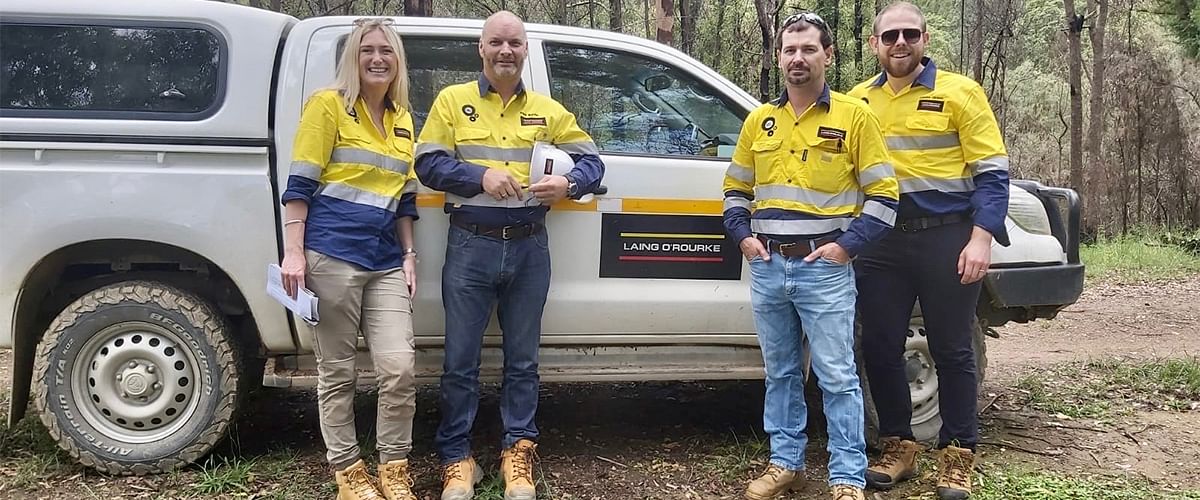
x: 382, y: 21
x: 808, y: 17
x: 911, y: 36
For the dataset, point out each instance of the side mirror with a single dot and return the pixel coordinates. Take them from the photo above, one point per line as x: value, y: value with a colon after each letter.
x: 658, y: 82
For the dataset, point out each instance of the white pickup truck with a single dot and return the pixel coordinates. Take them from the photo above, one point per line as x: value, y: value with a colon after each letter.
x: 143, y: 147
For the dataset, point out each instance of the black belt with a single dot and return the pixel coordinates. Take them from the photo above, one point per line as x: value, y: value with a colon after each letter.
x: 922, y: 223
x: 799, y: 248
x: 501, y: 232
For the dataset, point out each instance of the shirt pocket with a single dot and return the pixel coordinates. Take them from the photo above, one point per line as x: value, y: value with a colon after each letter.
x: 766, y: 157
x: 829, y: 168
x: 472, y: 134
x: 928, y: 122
x: 530, y: 135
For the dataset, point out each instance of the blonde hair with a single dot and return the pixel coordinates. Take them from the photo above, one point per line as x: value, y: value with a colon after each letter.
x: 348, y: 81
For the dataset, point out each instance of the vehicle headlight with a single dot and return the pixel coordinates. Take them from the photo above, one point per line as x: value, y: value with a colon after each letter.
x: 1027, y: 211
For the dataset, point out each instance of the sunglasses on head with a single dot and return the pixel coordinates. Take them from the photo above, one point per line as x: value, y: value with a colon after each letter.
x: 911, y: 36
x: 363, y: 21
x: 806, y: 16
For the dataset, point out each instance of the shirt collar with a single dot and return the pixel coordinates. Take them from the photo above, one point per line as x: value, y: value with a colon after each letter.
x: 927, y: 78
x: 485, y: 86
x: 782, y: 100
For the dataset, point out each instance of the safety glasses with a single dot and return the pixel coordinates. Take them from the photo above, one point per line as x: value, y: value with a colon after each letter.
x: 806, y: 16
x: 911, y: 36
x: 381, y: 21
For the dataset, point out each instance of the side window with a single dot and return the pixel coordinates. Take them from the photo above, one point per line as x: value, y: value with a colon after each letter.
x: 433, y: 63
x: 634, y: 104
x: 134, y: 72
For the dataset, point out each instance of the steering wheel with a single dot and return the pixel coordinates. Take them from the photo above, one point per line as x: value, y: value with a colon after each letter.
x: 637, y: 101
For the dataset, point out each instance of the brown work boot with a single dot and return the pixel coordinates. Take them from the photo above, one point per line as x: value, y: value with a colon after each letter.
x: 847, y: 492
x: 956, y: 468
x: 516, y: 465
x: 774, y: 481
x: 459, y: 479
x: 394, y: 481
x: 354, y: 483
x: 897, y: 463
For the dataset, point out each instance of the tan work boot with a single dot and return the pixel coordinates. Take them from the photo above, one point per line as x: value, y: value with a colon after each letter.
x: 394, y: 481
x: 956, y: 469
x: 516, y: 465
x: 774, y: 481
x: 354, y: 483
x: 897, y: 463
x: 847, y: 492
x: 459, y: 479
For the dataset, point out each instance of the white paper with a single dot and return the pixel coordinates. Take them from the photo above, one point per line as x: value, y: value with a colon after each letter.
x: 305, y: 303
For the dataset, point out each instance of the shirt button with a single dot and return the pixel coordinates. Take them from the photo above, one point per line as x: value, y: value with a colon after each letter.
x: 504, y: 138
x: 506, y: 163
x: 793, y: 151
x: 501, y: 115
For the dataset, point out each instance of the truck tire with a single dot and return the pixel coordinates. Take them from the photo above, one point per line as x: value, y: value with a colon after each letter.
x: 922, y: 383
x: 137, y: 378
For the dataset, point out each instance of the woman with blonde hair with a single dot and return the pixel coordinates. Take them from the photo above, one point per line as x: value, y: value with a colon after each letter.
x: 350, y: 204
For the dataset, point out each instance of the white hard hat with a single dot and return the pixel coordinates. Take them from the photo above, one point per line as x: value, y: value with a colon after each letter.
x: 548, y: 160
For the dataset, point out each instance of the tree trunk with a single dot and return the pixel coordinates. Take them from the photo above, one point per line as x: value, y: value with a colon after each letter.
x: 417, y: 8
x: 718, y: 47
x: 664, y: 15
x: 765, y: 10
x: 858, y: 40
x: 256, y: 4
x: 1074, y: 69
x: 615, y: 15
x: 1096, y: 105
x: 833, y: 11
x: 977, y: 43
x: 687, y: 23
x: 277, y: 5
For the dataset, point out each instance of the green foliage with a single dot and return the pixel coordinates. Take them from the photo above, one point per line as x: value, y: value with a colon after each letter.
x: 1183, y: 18
x: 1023, y: 484
x: 1138, y: 258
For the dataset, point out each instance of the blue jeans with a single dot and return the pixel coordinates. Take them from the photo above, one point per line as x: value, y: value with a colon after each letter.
x: 793, y: 299
x: 481, y: 273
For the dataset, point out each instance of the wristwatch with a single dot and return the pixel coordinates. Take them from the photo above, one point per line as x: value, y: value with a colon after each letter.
x: 572, y: 188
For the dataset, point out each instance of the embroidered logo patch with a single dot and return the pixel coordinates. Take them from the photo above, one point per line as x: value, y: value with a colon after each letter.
x: 831, y: 133
x: 469, y: 110
x: 930, y: 105
x: 533, y: 120
x: 769, y: 125
x: 401, y: 132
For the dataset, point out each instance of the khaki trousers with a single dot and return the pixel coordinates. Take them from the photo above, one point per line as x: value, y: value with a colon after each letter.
x: 377, y: 304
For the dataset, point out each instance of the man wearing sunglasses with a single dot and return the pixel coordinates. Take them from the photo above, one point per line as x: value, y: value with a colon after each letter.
x: 953, y: 172
x: 809, y: 186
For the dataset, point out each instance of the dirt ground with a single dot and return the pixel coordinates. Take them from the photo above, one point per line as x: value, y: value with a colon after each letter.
x: 704, y: 440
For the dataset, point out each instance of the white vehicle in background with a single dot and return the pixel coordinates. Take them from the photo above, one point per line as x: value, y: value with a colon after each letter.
x: 139, y: 188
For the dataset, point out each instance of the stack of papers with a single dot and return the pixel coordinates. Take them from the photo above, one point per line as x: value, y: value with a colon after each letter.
x: 305, y: 302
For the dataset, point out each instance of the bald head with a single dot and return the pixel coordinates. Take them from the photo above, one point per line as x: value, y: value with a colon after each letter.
x: 899, y: 8
x: 502, y: 48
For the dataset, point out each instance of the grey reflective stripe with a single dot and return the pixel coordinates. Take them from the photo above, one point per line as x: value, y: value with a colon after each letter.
x: 579, y: 148
x: 430, y: 147
x: 364, y: 157
x: 469, y: 152
x: 307, y: 170
x: 989, y: 164
x: 410, y: 187
x: 354, y: 195
x: 803, y: 226
x: 736, y: 202
x: 945, y: 185
x: 486, y: 200
x: 875, y: 174
x: 738, y: 172
x: 790, y: 193
x: 880, y: 211
x: 916, y: 142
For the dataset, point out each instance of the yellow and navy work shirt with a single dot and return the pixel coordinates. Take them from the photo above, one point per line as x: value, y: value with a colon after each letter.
x: 946, y: 146
x: 823, y: 173
x: 356, y: 181
x: 470, y: 130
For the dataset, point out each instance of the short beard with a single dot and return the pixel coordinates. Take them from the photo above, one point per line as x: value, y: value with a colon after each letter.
x: 894, y: 69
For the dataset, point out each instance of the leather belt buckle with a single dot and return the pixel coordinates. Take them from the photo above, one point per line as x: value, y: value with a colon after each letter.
x: 504, y: 232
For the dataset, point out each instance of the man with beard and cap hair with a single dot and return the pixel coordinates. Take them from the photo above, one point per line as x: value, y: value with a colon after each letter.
x: 809, y: 187
x: 953, y: 172
x: 476, y: 146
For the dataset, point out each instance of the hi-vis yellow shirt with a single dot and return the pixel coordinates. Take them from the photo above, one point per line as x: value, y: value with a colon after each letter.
x: 946, y: 146
x: 824, y: 172
x: 355, y: 180
x: 472, y: 126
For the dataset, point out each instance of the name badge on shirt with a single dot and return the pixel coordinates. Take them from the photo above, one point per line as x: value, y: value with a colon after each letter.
x: 930, y: 105
x: 831, y: 133
x: 533, y: 121
x: 401, y: 132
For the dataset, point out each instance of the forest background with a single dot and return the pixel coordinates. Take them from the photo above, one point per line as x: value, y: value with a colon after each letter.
x: 1102, y: 96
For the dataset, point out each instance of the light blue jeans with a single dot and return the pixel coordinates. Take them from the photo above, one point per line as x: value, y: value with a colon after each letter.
x: 793, y: 299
